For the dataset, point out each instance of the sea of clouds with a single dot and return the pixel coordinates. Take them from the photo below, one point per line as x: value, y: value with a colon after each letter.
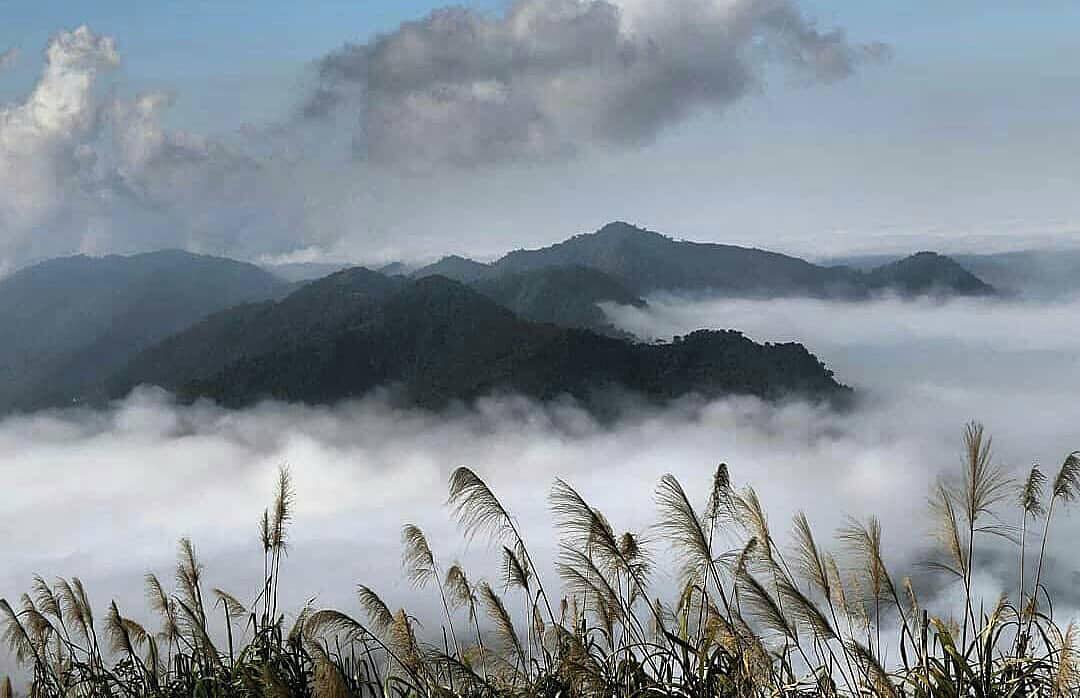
x: 105, y: 494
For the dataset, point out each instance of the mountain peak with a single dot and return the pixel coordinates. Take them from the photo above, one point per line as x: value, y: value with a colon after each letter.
x: 621, y: 230
x: 454, y: 267
x: 929, y: 272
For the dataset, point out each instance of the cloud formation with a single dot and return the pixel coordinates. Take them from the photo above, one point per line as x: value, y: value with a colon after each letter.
x: 551, y: 77
x: 109, y: 491
x: 84, y: 170
x: 85, y: 167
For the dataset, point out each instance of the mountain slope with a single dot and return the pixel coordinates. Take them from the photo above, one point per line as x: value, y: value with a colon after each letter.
x: 78, y: 318
x: 646, y: 262
x: 438, y: 341
x: 456, y: 268
x: 1043, y: 274
x: 927, y: 273
x: 313, y: 313
x: 566, y: 296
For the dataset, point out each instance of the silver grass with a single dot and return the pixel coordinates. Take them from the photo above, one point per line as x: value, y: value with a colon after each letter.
x: 1067, y: 481
x: 282, y: 510
x: 233, y: 607
x: 515, y: 571
x: 15, y: 635
x: 585, y: 527
x: 865, y: 542
x: 984, y: 483
x: 751, y: 515
x: 680, y: 525
x: 809, y: 560
x: 719, y: 503
x: 162, y: 605
x: 1066, y: 680
x: 46, y: 599
x: 417, y: 558
x: 504, y: 626
x: 881, y: 684
x: 117, y: 632
x: 477, y: 508
x: 947, y: 532
x: 582, y: 578
x: 460, y: 592
x: 1032, y: 491
x: 802, y: 610
x: 762, y: 606
x: 74, y: 614
x: 377, y: 611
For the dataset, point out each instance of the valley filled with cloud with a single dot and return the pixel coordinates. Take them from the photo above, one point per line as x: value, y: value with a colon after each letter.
x: 105, y: 494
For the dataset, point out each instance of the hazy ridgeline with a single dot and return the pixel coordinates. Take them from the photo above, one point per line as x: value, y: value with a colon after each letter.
x: 751, y: 617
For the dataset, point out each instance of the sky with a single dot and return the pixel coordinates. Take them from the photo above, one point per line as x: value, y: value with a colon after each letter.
x: 290, y: 132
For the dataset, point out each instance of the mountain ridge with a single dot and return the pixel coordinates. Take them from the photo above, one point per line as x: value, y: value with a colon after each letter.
x: 645, y: 262
x: 437, y: 341
x: 79, y: 317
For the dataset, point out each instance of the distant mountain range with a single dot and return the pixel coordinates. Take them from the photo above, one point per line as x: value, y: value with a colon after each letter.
x: 1040, y: 274
x: 645, y: 262
x: 71, y: 321
x: 86, y: 328
x: 435, y: 341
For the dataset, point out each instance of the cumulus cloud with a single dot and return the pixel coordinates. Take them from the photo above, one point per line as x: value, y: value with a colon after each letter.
x: 85, y: 170
x: 87, y: 167
x: 104, y: 494
x: 551, y: 77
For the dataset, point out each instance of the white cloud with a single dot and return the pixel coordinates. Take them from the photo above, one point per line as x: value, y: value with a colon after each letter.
x: 85, y: 170
x: 549, y: 78
x: 104, y: 494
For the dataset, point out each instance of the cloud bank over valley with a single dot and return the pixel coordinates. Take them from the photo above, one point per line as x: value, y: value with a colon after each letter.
x: 105, y: 494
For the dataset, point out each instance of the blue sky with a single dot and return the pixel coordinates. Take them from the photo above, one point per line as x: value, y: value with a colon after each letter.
x: 247, y: 53
x: 965, y: 139
x: 250, y: 52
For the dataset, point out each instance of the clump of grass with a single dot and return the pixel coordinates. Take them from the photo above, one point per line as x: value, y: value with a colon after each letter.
x: 752, y: 617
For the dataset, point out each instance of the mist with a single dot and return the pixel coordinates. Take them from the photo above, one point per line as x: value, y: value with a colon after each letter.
x: 105, y: 494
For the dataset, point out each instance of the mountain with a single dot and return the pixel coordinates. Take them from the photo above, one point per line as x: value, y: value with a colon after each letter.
x: 645, y: 262
x: 295, y: 272
x: 436, y: 341
x: 456, y: 268
x: 1040, y: 274
x: 73, y: 320
x: 566, y: 296
x: 313, y: 314
x: 927, y: 273
x: 395, y: 269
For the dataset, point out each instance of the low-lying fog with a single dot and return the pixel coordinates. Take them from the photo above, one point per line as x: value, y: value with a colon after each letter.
x: 106, y: 494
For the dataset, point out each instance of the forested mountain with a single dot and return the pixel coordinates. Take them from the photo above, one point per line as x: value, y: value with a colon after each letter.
x: 645, y: 262
x: 69, y: 322
x: 567, y: 296
x: 317, y: 311
x: 456, y: 268
x: 927, y: 273
x: 1040, y: 274
x: 78, y: 322
x: 437, y: 341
